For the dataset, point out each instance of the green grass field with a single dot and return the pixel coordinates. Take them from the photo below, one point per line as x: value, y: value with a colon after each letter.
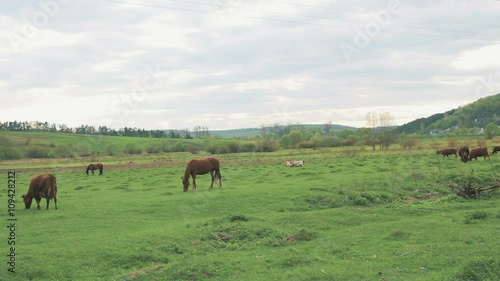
x: 346, y: 215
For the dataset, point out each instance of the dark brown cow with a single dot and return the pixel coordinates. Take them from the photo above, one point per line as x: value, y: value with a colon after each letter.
x: 478, y: 152
x: 93, y: 167
x: 201, y: 167
x: 41, y: 186
x: 495, y: 149
x: 447, y: 152
x: 464, y: 152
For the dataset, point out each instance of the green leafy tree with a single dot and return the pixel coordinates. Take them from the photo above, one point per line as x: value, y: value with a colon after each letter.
x: 491, y: 130
x: 408, y: 141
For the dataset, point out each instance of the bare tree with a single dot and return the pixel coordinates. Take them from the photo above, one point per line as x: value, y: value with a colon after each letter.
x: 386, y: 133
x: 372, y: 123
x: 328, y: 127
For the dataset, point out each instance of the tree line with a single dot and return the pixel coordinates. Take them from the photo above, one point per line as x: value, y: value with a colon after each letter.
x: 37, y: 126
x: 379, y: 133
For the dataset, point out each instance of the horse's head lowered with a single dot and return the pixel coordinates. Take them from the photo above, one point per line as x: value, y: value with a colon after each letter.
x: 185, y: 183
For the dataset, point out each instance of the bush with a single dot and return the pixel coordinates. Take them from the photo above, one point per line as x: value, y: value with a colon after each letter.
x: 153, y: 148
x: 308, y: 144
x: 408, y: 142
x: 330, y: 141
x: 165, y: 146
x: 179, y: 147
x: 247, y: 147
x: 230, y: 147
x: 132, y: 148
x: 7, y: 149
x: 110, y: 149
x: 10, y: 153
x: 37, y: 151
x: 62, y: 151
x: 84, y: 151
x: 193, y: 147
x: 351, y: 140
x: 267, y: 145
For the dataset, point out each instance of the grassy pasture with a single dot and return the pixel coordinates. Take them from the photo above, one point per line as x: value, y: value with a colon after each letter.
x: 346, y: 215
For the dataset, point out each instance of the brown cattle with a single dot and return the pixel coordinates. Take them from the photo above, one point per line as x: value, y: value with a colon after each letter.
x: 464, y: 152
x: 41, y: 186
x: 495, y: 149
x: 447, y: 152
x: 478, y: 152
x: 201, y: 167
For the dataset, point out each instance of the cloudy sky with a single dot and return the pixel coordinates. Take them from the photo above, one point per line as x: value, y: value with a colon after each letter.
x: 165, y: 64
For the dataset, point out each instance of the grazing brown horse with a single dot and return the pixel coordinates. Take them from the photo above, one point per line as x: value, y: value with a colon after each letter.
x: 201, y: 167
x: 93, y: 167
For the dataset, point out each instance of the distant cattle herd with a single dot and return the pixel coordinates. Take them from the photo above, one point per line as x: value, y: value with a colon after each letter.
x: 466, y: 154
x: 45, y: 185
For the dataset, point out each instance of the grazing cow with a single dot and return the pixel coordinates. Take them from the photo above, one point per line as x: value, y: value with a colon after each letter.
x: 41, y: 186
x: 447, y: 152
x: 464, y: 152
x: 295, y: 163
x: 201, y: 167
x: 478, y: 152
x: 298, y: 163
x: 495, y: 149
x: 92, y: 167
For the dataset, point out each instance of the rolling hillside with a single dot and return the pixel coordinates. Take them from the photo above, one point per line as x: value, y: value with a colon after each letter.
x: 474, y: 115
x: 250, y: 132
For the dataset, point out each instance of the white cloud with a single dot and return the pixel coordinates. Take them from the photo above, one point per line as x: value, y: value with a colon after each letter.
x: 480, y: 58
x: 108, y: 66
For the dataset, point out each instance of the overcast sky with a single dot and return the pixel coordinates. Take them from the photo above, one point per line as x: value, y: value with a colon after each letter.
x: 223, y: 64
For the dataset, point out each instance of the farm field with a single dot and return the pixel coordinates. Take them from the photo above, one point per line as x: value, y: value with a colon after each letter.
x: 348, y: 214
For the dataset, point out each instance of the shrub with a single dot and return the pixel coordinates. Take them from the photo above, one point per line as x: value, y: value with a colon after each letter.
x: 308, y: 144
x: 153, y: 148
x: 10, y: 153
x: 132, y: 148
x: 179, y: 146
x: 330, y: 141
x: 84, y: 151
x: 351, y: 140
x: 247, y: 147
x: 7, y: 149
x: 62, y: 151
x: 37, y: 151
x: 408, y: 142
x: 165, y: 146
x: 194, y: 147
x: 110, y: 149
x: 267, y: 145
x: 230, y: 147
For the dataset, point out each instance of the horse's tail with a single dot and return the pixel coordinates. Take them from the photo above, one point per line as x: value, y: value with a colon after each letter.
x: 101, y: 169
x: 87, y: 171
x: 219, y: 176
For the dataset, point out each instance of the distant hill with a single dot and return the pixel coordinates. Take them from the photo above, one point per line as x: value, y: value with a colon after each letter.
x: 474, y: 115
x: 250, y: 132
